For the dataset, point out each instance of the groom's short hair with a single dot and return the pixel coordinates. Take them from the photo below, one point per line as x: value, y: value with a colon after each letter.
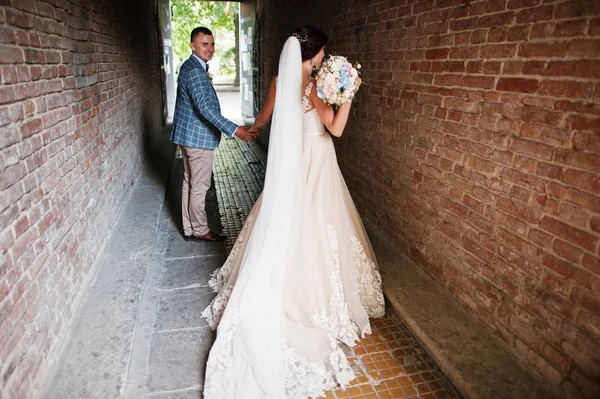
x: 199, y: 30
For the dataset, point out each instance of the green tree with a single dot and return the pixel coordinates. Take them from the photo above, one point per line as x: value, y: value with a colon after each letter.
x: 218, y: 16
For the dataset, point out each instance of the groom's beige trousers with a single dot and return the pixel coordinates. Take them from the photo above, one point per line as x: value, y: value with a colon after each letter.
x: 197, y: 171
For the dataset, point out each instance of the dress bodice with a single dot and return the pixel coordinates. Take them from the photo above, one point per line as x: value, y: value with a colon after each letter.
x: 312, y: 124
x: 311, y: 121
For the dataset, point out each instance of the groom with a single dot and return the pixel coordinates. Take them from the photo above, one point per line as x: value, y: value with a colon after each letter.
x: 197, y: 127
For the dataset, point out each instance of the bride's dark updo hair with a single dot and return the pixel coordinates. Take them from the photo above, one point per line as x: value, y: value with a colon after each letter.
x: 311, y: 39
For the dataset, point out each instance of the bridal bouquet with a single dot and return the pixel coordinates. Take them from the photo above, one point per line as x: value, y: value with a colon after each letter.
x: 337, y: 80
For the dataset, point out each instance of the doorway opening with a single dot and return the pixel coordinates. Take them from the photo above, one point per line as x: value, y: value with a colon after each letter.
x: 233, y: 66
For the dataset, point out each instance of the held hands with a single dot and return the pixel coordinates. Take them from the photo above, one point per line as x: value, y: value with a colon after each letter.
x: 246, y: 134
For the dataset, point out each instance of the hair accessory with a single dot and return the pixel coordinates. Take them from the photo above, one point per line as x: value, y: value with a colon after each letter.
x: 301, y: 39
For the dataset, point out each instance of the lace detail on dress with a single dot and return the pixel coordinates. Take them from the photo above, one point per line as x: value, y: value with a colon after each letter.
x: 221, y: 360
x: 306, y: 379
x: 338, y: 323
x: 368, y: 280
x: 305, y: 98
x: 303, y: 379
x: 220, y: 277
x: 311, y: 121
x: 214, y: 312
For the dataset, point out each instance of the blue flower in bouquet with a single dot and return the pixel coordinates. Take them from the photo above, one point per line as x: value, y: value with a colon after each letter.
x: 320, y: 93
x: 345, y: 79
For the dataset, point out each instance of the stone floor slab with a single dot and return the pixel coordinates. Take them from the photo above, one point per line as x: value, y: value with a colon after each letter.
x: 136, y: 230
x: 178, y: 248
x: 94, y: 362
x: 187, y: 394
x: 195, y: 271
x: 182, y: 308
x: 178, y: 359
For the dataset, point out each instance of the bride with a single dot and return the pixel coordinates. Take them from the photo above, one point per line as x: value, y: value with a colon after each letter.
x: 301, y: 280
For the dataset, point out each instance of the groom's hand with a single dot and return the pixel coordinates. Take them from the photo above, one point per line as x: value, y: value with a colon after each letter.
x: 243, y: 133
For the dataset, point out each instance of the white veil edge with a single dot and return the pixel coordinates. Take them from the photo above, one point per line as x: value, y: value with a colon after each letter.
x: 253, y: 330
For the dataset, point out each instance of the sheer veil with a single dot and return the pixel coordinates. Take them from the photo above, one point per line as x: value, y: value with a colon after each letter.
x: 248, y: 359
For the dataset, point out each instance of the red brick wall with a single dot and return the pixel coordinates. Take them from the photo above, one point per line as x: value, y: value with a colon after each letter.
x: 79, y: 99
x: 475, y: 146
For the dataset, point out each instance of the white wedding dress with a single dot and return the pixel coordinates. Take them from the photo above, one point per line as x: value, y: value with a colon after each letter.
x: 280, y: 327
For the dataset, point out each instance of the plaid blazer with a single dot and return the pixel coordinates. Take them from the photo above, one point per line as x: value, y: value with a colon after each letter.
x: 198, y: 122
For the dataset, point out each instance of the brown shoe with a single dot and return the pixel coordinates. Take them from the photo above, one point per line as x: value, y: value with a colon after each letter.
x: 210, y: 236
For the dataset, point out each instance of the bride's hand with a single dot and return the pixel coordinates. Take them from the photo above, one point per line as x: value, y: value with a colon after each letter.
x: 254, y: 129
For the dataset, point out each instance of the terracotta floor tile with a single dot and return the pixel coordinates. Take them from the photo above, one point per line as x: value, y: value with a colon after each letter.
x: 391, y: 364
x: 360, y: 350
x: 361, y: 379
x: 389, y: 384
x: 441, y: 395
x: 422, y: 388
x: 354, y: 391
x: 403, y: 381
x: 367, y: 390
x: 435, y: 386
x: 410, y: 389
